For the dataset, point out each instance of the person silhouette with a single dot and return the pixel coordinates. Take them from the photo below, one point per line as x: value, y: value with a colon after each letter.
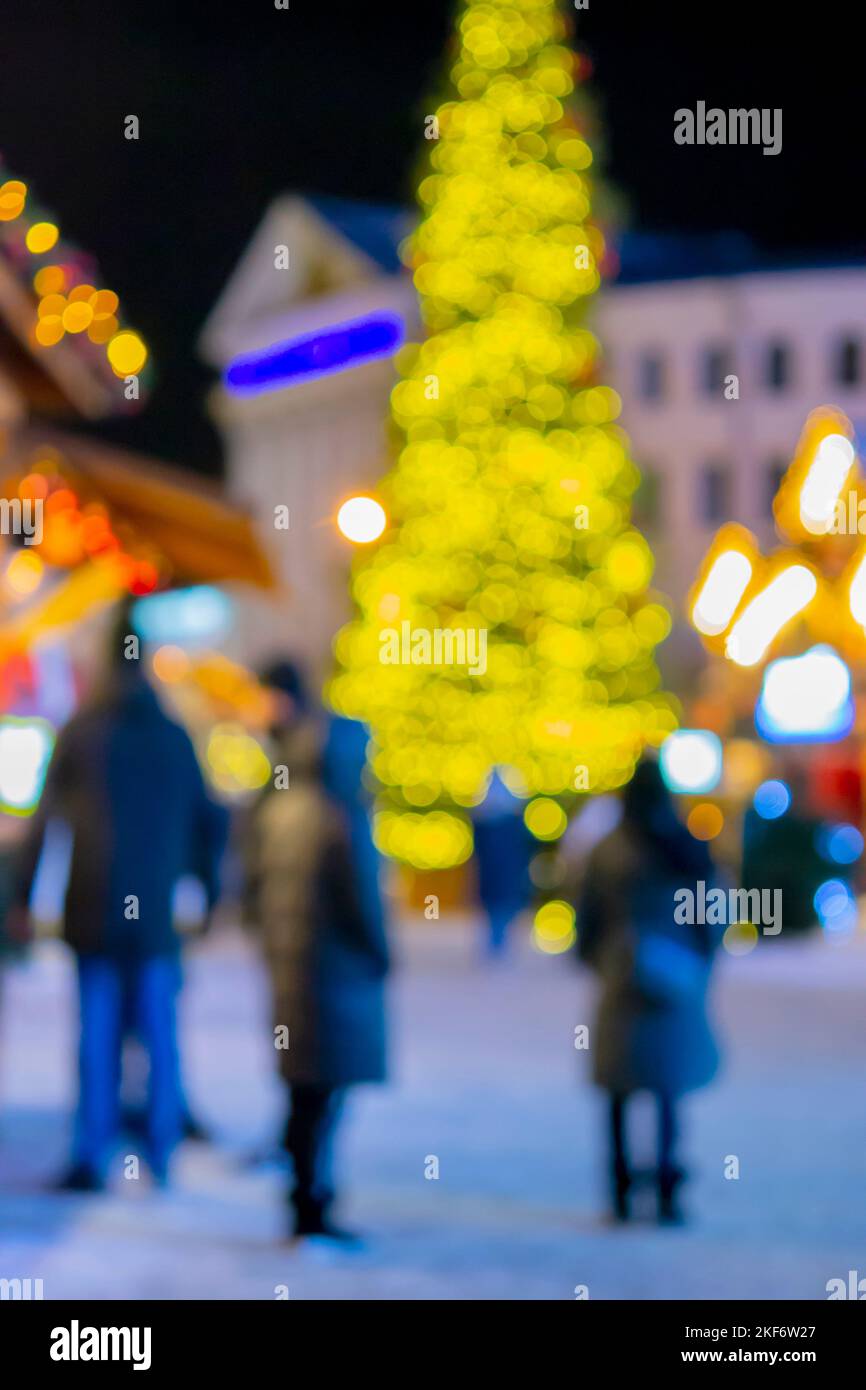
x: 651, y: 1031
x: 125, y: 780
x: 313, y: 894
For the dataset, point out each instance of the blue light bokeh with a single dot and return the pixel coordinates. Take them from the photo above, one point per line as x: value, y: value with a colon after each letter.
x: 836, y: 907
x: 840, y: 844
x: 772, y: 799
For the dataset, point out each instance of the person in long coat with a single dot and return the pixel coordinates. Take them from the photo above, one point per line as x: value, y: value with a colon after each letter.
x: 125, y: 779
x: 313, y: 892
x: 651, y: 1031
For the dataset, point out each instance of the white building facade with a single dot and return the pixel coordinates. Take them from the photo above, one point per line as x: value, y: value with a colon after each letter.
x: 713, y: 449
x: 308, y: 446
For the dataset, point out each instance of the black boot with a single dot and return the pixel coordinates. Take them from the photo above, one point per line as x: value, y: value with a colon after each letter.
x: 669, y: 1182
x: 311, y: 1218
x: 621, y: 1187
x: 79, y: 1178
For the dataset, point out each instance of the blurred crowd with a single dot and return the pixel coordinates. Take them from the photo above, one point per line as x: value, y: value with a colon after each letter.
x: 125, y: 780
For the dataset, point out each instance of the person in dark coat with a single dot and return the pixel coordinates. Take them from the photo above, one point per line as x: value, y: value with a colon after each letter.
x: 125, y: 779
x: 313, y: 885
x: 651, y: 1031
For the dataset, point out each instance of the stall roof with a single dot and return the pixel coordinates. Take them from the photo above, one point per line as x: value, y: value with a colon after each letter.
x: 205, y: 536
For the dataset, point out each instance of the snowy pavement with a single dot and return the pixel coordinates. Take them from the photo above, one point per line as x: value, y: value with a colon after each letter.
x: 486, y: 1081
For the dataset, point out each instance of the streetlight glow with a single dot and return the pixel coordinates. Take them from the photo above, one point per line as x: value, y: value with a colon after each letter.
x: 361, y: 520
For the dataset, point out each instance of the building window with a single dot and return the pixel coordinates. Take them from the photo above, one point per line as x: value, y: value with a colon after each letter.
x: 778, y: 367
x: 651, y: 376
x: 714, y: 500
x: 646, y: 502
x: 847, y: 365
x: 776, y: 470
x: 716, y: 364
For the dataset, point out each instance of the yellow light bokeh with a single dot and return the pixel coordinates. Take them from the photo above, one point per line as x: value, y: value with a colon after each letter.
x: 24, y: 573
x: 49, y: 331
x: 237, y: 761
x: 41, y: 237
x: 13, y: 195
x: 171, y: 664
x: 740, y: 938
x: 77, y: 316
x: 545, y: 818
x: 553, y: 930
x: 126, y: 353
x: 705, y: 821
x: 51, y: 279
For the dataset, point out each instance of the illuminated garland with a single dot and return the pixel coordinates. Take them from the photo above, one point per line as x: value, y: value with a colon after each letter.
x: 58, y: 274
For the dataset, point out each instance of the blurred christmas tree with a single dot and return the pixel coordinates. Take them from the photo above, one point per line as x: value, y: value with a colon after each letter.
x: 503, y: 619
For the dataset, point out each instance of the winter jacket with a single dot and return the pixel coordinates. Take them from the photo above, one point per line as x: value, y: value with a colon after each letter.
x: 626, y: 914
x: 125, y: 779
x: 314, y: 895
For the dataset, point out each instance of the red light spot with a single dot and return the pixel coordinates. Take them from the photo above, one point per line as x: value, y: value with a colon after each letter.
x: 62, y: 500
x: 144, y: 578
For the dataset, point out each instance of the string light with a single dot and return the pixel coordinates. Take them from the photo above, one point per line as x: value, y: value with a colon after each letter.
x: 64, y: 306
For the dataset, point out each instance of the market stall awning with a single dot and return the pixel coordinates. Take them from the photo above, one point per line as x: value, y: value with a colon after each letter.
x: 203, y: 535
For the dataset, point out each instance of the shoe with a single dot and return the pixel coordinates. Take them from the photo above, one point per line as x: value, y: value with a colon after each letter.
x: 326, y: 1230
x: 311, y: 1220
x: 194, y: 1130
x: 622, y: 1185
x: 80, y: 1177
x: 133, y: 1119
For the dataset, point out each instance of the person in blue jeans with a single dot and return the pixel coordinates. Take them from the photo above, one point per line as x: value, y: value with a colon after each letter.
x: 104, y: 986
x: 125, y: 779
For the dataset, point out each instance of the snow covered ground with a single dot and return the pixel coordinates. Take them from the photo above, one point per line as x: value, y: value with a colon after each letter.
x: 486, y: 1080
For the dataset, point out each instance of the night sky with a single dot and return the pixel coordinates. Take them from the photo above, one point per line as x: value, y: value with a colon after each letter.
x: 240, y: 102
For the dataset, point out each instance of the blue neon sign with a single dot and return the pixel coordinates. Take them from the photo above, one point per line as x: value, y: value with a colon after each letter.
x: 316, y: 354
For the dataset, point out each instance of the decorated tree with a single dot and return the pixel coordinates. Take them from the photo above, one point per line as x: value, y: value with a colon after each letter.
x: 503, y: 618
